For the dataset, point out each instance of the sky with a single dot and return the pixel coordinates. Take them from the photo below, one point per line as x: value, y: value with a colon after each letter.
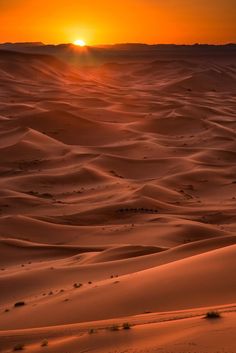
x: 118, y: 21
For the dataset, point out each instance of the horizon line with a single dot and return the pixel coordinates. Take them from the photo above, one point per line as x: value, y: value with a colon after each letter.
x: 121, y: 43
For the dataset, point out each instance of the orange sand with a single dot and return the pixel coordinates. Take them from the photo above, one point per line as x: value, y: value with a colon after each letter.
x: 120, y: 177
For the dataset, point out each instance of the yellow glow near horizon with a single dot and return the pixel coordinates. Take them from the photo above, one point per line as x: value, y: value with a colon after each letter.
x: 79, y: 42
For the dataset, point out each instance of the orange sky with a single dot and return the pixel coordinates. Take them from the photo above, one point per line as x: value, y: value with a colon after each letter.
x: 111, y: 21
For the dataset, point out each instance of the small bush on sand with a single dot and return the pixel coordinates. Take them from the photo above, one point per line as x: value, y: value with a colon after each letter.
x: 126, y: 326
x: 19, y: 347
x: 213, y: 315
x: 44, y: 343
x: 18, y: 304
x: 91, y: 331
x: 77, y: 285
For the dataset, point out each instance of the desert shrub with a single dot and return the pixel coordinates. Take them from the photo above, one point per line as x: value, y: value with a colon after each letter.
x: 44, y: 343
x: 126, y: 326
x: 91, y: 331
x: 19, y: 347
x: 18, y: 304
x: 212, y: 315
x: 77, y: 285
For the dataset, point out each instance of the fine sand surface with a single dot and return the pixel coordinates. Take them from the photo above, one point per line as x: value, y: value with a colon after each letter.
x: 117, y: 204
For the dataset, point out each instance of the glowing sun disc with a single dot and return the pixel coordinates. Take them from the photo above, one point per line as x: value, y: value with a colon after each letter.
x: 80, y: 42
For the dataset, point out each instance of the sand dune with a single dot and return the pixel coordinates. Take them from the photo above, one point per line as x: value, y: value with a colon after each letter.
x: 194, y: 282
x: 117, y: 202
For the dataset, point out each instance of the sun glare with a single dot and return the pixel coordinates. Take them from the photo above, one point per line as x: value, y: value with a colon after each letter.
x: 80, y: 42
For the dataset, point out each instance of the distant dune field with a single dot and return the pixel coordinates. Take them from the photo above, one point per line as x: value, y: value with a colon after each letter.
x: 117, y: 200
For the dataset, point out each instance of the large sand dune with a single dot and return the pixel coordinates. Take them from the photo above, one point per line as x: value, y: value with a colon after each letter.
x: 117, y: 203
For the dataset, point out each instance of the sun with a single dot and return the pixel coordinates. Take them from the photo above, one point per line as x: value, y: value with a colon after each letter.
x: 79, y: 43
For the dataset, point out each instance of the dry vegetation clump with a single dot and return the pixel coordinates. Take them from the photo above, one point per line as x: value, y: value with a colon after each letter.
x: 212, y: 315
x: 19, y: 347
x: 44, y: 343
x: 126, y: 326
x: 18, y: 304
x: 77, y: 285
